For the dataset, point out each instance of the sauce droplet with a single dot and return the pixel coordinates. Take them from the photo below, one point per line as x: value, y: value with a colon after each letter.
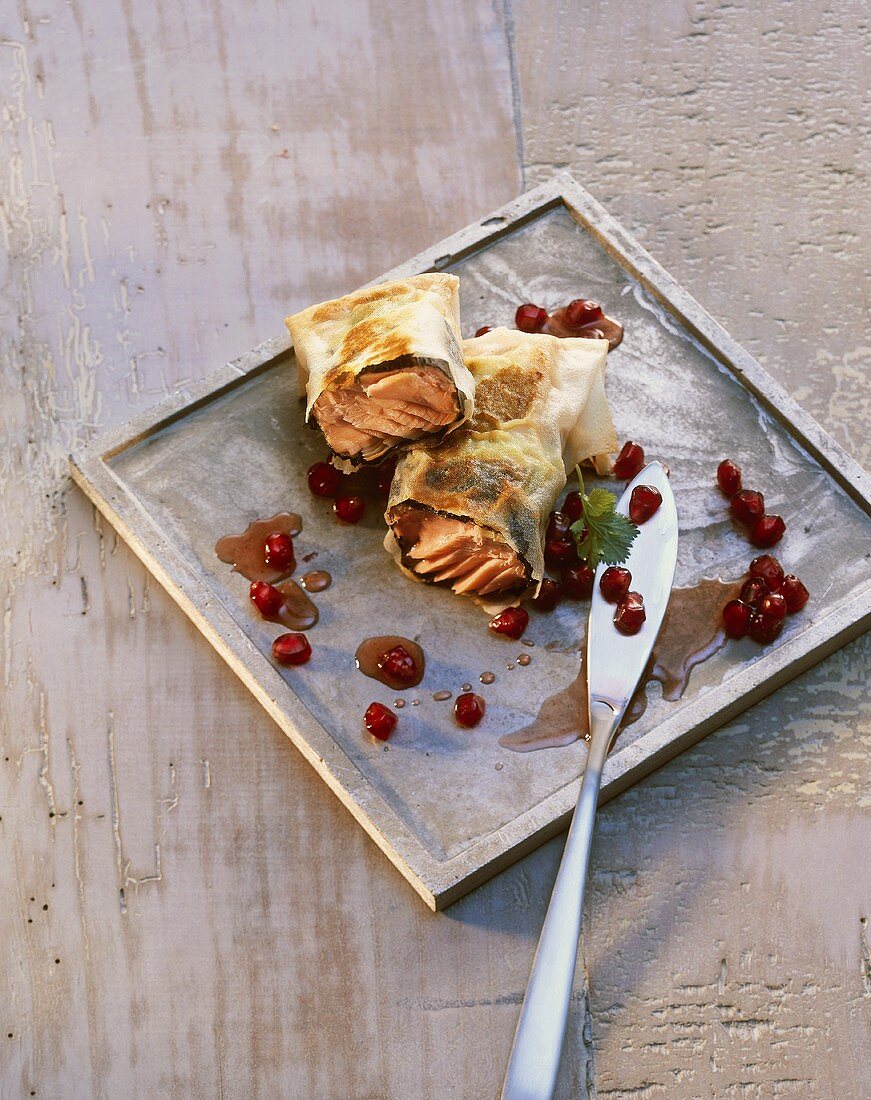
x: 467, y: 687
x: 297, y: 612
x: 510, y: 666
x: 246, y: 552
x: 527, y: 641
x: 603, y: 328
x: 440, y: 696
x: 317, y: 580
x: 524, y: 659
x: 499, y: 767
x: 415, y: 702
x: 487, y: 677
x: 371, y: 650
x: 399, y: 703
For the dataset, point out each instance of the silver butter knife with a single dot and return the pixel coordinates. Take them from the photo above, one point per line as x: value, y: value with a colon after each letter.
x: 615, y: 664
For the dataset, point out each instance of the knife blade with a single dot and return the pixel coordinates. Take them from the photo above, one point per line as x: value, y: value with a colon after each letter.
x: 615, y: 661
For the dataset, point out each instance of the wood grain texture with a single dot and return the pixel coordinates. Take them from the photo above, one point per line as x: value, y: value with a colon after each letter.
x: 171, y: 181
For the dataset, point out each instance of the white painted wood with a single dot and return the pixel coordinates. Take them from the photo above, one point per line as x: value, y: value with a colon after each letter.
x: 152, y: 227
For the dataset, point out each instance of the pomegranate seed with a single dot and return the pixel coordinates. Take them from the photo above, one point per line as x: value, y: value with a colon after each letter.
x: 643, y: 503
x: 614, y: 583
x: 737, y: 616
x: 794, y: 592
x: 349, y: 509
x: 582, y: 311
x: 630, y: 614
x: 469, y: 709
x: 560, y: 551
x: 772, y: 606
x: 379, y: 721
x: 767, y: 531
x: 530, y: 318
x: 729, y: 477
x: 278, y: 551
x: 753, y: 590
x: 768, y: 570
x: 629, y: 462
x: 549, y: 595
x: 483, y: 330
x: 573, y: 506
x: 291, y: 649
x: 747, y: 505
x: 511, y: 622
x: 764, y: 630
x: 266, y: 598
x: 558, y: 526
x: 398, y: 664
x: 578, y: 581
x: 324, y: 479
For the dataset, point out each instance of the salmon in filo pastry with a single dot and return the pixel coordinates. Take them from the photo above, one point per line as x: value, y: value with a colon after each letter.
x: 471, y: 512
x: 383, y: 367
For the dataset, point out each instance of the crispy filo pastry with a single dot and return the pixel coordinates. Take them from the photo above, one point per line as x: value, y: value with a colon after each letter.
x: 383, y: 367
x: 471, y: 513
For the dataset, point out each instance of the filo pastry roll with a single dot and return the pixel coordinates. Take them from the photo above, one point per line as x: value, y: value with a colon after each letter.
x: 471, y: 513
x: 383, y: 367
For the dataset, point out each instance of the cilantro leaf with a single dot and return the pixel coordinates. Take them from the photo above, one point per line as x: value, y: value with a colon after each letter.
x: 602, y: 534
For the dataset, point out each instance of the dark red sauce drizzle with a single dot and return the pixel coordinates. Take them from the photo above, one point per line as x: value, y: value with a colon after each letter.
x: 245, y: 552
x: 371, y: 650
x: 691, y: 634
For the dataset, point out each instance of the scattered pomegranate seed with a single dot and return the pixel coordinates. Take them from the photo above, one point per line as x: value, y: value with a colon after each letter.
x: 767, y: 531
x: 764, y: 630
x: 349, y: 509
x: 578, y: 581
x: 379, y: 721
x: 483, y: 330
x: 560, y: 551
x: 530, y: 318
x: 629, y: 462
x: 573, y: 506
x: 291, y: 649
x: 266, y: 598
x: 643, y: 503
x: 511, y: 622
x: 753, y: 590
x: 769, y: 570
x: 324, y: 479
x: 630, y: 614
x: 772, y: 606
x: 614, y: 583
x: 549, y: 595
x: 729, y: 477
x: 582, y: 311
x: 278, y: 551
x: 737, y: 616
x: 398, y: 664
x: 469, y: 709
x: 747, y: 505
x: 558, y: 525
x: 794, y: 592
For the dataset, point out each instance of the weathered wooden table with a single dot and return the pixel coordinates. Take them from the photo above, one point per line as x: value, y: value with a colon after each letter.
x: 184, y: 909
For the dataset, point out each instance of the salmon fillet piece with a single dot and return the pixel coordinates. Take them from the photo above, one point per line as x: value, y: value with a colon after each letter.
x: 381, y: 409
x: 448, y: 549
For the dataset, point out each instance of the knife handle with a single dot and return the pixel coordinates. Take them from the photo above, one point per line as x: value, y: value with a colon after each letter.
x: 535, y: 1055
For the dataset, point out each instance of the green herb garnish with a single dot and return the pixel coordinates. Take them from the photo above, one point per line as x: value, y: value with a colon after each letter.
x: 602, y: 534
